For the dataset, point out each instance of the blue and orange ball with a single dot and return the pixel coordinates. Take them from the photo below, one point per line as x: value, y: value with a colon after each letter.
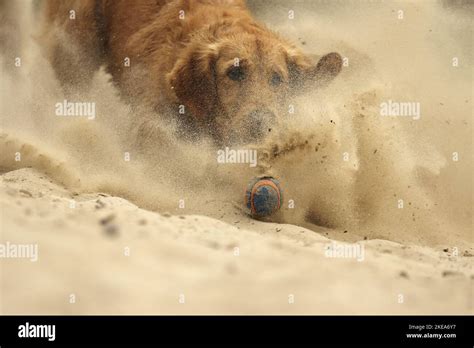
x: 263, y: 196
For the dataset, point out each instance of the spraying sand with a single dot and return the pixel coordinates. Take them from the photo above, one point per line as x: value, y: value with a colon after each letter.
x: 401, y: 186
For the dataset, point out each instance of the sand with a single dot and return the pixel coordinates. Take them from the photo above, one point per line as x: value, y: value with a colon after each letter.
x: 160, y: 227
x: 83, y: 252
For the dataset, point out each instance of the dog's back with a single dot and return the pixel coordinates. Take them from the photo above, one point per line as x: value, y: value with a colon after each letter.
x: 81, y: 35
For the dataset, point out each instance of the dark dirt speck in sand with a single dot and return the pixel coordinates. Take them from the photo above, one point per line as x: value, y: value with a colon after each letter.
x: 448, y: 273
x: 106, y: 220
x: 403, y: 274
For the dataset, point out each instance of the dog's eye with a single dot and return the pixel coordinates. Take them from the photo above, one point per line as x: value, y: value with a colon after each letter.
x: 236, y: 73
x: 276, y: 79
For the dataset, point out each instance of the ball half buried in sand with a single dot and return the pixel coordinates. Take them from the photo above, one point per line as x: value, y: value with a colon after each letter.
x: 263, y: 196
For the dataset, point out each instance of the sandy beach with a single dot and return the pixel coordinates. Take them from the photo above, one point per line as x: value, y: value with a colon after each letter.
x: 117, y: 258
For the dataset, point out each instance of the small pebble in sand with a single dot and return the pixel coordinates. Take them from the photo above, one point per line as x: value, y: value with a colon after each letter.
x: 106, y: 220
x: 403, y: 274
x: 142, y: 222
x: 111, y: 229
x: 166, y: 214
x: 26, y: 193
x: 446, y: 250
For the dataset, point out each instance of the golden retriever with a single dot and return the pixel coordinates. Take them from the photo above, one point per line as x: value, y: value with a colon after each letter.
x: 206, y: 61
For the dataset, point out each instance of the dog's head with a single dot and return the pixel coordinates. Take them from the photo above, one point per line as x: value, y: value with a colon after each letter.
x: 237, y: 86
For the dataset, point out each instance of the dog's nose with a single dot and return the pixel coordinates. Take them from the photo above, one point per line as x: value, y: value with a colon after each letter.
x: 260, y: 122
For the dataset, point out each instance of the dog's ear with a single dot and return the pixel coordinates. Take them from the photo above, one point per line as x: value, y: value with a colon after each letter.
x: 304, y: 73
x: 193, y: 80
